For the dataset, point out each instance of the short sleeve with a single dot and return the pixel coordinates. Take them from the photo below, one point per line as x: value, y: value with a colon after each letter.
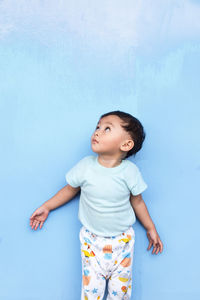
x: 75, y: 175
x: 135, y: 181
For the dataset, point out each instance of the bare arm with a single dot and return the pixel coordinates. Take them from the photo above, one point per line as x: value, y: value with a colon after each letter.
x: 141, y: 211
x: 61, y: 197
x: 142, y: 214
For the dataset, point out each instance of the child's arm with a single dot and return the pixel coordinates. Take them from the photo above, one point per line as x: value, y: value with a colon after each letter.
x: 142, y: 214
x: 60, y: 198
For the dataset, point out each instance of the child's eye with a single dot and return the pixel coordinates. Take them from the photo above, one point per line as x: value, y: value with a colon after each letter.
x: 105, y: 128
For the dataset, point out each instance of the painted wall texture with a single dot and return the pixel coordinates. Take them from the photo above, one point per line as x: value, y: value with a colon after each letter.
x: 62, y: 65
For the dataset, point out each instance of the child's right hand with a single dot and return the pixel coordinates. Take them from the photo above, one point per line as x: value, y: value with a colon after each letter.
x: 38, y: 217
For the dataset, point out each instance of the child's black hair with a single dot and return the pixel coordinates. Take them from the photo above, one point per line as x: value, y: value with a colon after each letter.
x: 134, y: 127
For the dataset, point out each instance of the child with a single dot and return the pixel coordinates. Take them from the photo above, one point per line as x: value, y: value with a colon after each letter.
x: 111, y: 188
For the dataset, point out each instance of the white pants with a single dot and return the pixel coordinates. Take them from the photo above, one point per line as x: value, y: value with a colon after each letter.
x: 106, y: 258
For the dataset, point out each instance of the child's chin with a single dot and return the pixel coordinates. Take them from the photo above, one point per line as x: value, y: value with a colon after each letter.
x: 94, y: 148
x: 95, y: 151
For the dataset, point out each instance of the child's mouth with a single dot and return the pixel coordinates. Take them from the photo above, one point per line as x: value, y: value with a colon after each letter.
x: 94, y: 141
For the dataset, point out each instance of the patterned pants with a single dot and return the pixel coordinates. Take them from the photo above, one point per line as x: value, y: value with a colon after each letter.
x: 106, y: 258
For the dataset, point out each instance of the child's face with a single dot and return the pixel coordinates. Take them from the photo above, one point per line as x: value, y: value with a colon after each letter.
x: 110, y: 138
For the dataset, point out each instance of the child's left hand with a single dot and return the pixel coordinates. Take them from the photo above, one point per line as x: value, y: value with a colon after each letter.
x: 154, y: 240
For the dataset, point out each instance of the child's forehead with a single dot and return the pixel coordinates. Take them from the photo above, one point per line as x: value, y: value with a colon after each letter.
x: 111, y: 119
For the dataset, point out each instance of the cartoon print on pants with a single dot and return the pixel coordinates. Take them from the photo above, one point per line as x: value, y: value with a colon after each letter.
x: 107, y: 249
x: 107, y: 258
x: 126, y: 262
x: 86, y: 278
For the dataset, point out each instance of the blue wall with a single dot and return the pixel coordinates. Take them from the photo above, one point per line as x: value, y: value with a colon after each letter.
x: 60, y: 69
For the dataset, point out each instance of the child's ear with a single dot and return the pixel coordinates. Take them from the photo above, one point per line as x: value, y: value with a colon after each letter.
x: 127, y: 145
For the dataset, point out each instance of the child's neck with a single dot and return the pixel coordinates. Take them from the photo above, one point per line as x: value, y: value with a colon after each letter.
x: 109, y: 162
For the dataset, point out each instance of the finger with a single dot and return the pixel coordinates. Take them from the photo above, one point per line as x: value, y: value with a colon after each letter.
x: 31, y: 221
x: 37, y: 224
x: 154, y: 248
x: 34, y: 223
x: 158, y: 249
x: 150, y: 244
x: 41, y: 224
x: 161, y: 246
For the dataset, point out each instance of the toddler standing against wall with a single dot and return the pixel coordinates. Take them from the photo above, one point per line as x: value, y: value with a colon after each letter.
x: 110, y: 200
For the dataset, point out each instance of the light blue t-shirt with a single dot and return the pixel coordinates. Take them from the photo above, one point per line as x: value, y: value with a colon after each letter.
x: 104, y: 207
